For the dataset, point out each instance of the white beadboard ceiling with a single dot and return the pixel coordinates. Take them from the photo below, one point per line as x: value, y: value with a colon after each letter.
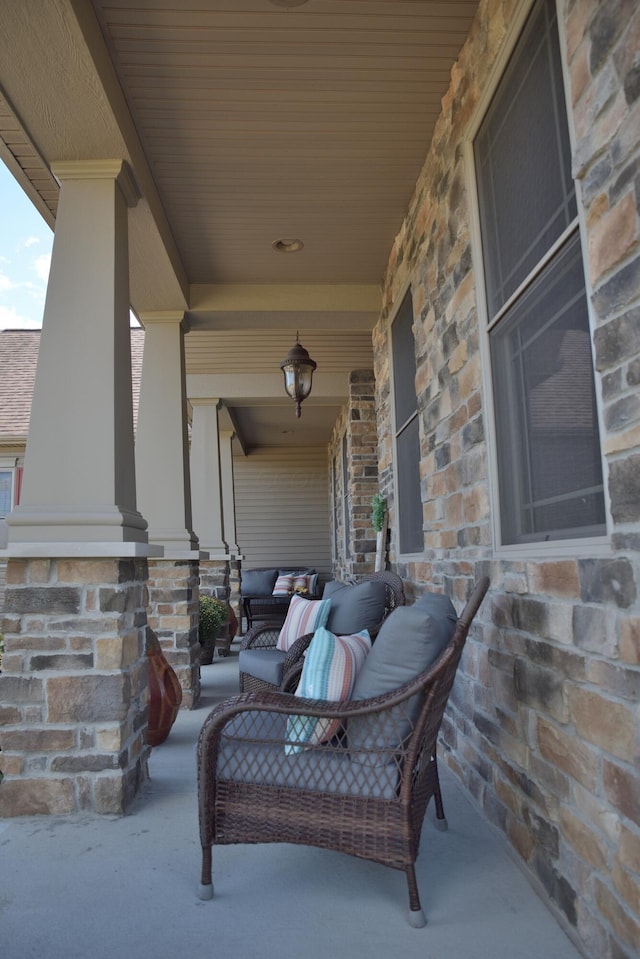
x: 246, y: 121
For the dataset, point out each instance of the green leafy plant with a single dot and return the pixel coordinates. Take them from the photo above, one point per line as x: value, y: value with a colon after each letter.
x: 213, y: 614
x: 378, y: 509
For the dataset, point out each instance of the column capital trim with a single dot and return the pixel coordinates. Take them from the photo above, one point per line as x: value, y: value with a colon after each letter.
x: 170, y: 317
x: 205, y: 401
x: 78, y: 550
x: 118, y: 170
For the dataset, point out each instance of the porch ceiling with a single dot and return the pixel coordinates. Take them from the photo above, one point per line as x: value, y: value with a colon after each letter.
x: 245, y: 123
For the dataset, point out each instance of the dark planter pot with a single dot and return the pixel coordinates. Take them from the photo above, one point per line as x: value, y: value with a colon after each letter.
x: 207, y: 649
x: 165, y: 693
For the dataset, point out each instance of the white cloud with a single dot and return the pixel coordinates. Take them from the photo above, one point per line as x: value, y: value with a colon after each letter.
x: 6, y: 284
x: 31, y: 240
x: 10, y: 319
x: 42, y: 265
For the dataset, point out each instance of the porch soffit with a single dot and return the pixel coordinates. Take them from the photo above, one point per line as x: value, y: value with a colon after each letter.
x: 244, y: 123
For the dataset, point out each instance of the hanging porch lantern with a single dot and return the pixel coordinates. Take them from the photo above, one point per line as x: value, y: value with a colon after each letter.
x: 298, y: 368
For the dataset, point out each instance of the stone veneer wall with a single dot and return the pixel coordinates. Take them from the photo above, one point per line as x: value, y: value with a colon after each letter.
x: 543, y: 725
x: 215, y: 580
x: 74, y: 686
x: 173, y: 615
x: 358, y: 420
x: 235, y: 572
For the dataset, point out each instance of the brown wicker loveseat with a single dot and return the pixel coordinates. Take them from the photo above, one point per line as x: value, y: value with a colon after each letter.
x: 364, y: 791
x: 256, y: 591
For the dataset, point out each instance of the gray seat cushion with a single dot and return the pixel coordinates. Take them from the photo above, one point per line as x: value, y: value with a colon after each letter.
x: 265, y: 664
x: 258, y: 756
x: 354, y: 608
x: 410, y: 639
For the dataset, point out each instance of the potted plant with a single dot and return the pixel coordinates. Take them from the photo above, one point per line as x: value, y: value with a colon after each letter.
x: 378, y: 510
x: 214, y: 613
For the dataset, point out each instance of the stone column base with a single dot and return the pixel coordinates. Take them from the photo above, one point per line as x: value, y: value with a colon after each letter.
x: 214, y: 581
x: 173, y: 615
x: 74, y: 686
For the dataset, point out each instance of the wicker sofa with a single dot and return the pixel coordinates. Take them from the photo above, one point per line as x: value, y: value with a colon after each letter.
x: 256, y: 591
x: 365, y: 790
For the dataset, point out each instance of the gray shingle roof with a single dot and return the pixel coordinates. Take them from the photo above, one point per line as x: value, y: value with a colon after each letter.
x: 18, y: 359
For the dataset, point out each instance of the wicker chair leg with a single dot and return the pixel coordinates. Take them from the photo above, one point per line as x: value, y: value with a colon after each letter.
x: 417, y: 918
x: 205, y: 890
x: 440, y: 820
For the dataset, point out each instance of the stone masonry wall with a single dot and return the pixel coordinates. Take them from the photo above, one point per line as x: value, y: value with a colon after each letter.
x: 74, y: 686
x: 221, y: 579
x: 339, y: 552
x: 543, y: 724
x: 358, y: 420
x: 173, y: 615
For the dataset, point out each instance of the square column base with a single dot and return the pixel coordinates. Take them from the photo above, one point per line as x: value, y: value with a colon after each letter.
x: 74, y: 686
x: 173, y: 615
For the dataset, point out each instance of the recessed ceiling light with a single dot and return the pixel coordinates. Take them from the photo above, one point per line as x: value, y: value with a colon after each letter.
x: 287, y: 246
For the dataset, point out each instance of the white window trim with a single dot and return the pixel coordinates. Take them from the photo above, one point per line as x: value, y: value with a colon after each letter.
x: 346, y: 519
x: 8, y: 464
x: 559, y: 548
x: 407, y: 287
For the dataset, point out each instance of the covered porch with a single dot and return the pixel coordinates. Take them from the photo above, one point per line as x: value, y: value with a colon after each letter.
x: 107, y: 885
x: 365, y: 173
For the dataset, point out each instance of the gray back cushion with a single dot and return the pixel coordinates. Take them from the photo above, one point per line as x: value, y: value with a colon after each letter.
x: 258, y: 582
x: 410, y: 639
x: 354, y: 608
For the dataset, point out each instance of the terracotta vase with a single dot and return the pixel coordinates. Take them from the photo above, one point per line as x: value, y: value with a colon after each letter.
x: 165, y: 692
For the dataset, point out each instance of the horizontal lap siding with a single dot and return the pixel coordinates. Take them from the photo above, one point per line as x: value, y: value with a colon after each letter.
x: 282, y: 508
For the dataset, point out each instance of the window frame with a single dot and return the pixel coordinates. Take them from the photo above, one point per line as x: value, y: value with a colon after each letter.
x: 335, y: 507
x: 346, y: 514
x: 10, y: 464
x: 579, y: 545
x: 396, y: 429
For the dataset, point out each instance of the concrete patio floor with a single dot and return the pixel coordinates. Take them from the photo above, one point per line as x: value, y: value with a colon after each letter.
x: 99, y: 887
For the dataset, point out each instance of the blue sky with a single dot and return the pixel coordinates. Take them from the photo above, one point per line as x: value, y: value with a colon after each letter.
x: 25, y: 257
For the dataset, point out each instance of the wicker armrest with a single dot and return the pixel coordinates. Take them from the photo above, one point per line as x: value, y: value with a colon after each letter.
x: 295, y: 653
x: 285, y: 704
x: 262, y: 636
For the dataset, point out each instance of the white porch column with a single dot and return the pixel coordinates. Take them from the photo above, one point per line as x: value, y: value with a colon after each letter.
x: 162, y: 449
x: 206, y: 486
x: 228, y: 493
x: 75, y: 620
x: 79, y: 475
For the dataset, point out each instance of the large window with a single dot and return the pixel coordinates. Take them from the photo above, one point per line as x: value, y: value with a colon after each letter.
x: 6, y: 491
x: 336, y: 509
x: 547, y: 440
x: 407, y: 432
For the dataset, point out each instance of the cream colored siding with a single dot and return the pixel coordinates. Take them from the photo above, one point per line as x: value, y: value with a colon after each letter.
x: 282, y: 508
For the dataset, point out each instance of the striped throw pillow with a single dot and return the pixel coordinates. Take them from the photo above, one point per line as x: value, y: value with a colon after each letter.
x: 331, y: 666
x: 283, y: 585
x: 307, y: 583
x: 303, y: 616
